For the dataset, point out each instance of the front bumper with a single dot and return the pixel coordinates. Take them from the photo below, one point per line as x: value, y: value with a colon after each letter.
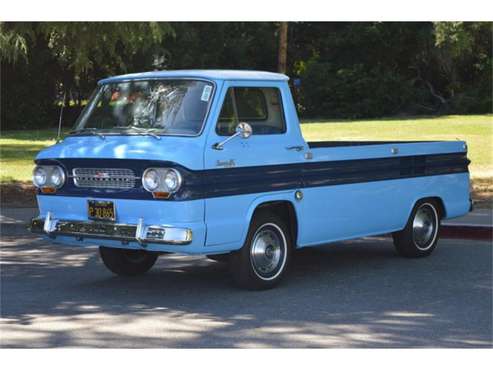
x: 125, y: 233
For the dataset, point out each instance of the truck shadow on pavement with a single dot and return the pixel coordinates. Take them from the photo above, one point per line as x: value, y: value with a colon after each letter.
x: 352, y: 294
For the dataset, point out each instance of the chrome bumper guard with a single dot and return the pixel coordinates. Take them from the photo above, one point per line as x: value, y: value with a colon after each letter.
x: 126, y: 233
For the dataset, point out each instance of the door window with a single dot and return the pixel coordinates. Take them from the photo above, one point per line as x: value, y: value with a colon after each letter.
x: 261, y: 107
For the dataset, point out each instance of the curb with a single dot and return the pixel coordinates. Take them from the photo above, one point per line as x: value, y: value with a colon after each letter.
x: 447, y: 231
x: 467, y: 232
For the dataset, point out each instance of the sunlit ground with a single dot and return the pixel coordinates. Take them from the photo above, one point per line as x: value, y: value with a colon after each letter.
x: 347, y: 294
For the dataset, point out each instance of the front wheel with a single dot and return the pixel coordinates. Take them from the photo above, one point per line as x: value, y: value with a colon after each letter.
x: 127, y: 262
x: 264, y: 259
x: 420, y: 236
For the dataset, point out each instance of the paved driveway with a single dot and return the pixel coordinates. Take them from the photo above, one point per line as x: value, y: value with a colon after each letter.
x: 354, y: 294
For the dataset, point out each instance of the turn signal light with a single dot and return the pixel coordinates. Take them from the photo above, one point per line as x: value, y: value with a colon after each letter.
x: 161, y: 195
x: 48, y: 190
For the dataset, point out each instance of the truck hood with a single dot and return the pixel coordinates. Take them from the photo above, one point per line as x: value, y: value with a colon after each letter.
x: 187, y: 151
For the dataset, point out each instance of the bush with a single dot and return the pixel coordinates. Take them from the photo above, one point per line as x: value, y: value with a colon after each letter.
x: 28, y: 93
x: 353, y: 91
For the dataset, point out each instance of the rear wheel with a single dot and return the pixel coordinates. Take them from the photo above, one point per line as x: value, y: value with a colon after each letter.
x: 420, y: 236
x: 264, y: 259
x: 127, y: 262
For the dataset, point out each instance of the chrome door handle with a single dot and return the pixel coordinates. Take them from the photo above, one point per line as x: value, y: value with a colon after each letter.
x: 298, y: 148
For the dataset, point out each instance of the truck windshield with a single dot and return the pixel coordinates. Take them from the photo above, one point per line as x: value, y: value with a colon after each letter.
x: 168, y: 107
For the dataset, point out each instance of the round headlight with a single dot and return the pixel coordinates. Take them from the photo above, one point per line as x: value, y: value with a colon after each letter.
x: 150, y: 180
x: 39, y: 176
x: 172, y: 180
x: 57, y: 177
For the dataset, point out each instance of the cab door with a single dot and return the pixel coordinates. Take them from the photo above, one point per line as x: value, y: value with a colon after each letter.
x: 243, y: 169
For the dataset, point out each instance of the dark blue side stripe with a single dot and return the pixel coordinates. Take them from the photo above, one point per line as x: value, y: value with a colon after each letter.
x: 258, y: 179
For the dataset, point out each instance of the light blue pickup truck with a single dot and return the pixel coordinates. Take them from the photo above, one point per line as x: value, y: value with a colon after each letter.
x: 213, y: 162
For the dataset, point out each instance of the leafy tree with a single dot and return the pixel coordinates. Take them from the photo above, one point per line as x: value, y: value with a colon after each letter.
x: 13, y: 41
x: 378, y: 68
x: 463, y: 53
x: 240, y: 45
x: 75, y: 54
x: 347, y: 69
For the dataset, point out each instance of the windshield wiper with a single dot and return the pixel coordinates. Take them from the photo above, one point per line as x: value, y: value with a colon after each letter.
x: 91, y: 130
x: 145, y: 131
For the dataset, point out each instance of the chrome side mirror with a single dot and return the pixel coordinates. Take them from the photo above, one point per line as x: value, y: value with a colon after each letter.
x: 244, y: 130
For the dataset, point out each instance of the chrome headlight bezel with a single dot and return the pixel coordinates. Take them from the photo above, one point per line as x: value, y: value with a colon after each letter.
x: 145, y: 184
x: 39, y: 172
x: 163, y: 183
x: 177, y: 179
x: 49, y: 176
x: 57, y: 171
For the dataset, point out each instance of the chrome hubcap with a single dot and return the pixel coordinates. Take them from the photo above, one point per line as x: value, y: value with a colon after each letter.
x: 268, y: 251
x: 425, y: 227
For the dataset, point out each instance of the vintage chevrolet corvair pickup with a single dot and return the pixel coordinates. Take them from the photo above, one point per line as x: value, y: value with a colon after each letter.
x: 213, y: 162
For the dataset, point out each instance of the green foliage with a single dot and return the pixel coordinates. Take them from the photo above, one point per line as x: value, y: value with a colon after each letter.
x: 456, y: 36
x: 29, y: 88
x: 13, y: 41
x: 354, y: 91
x: 78, y: 46
x: 347, y: 69
x: 81, y: 45
x: 43, y: 61
x: 463, y: 57
x: 243, y: 45
x: 378, y: 69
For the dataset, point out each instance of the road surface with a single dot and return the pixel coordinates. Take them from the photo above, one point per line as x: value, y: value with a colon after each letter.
x: 352, y: 294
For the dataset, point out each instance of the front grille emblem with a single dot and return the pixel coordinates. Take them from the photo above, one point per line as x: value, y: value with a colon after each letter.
x: 101, y: 175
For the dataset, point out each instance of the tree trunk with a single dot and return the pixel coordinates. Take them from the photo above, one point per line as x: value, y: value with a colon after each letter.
x: 283, y: 47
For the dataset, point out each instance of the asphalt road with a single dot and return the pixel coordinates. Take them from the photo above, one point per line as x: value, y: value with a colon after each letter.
x: 353, y: 294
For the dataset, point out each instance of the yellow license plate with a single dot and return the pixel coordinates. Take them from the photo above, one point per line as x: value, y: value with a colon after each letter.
x: 101, y: 210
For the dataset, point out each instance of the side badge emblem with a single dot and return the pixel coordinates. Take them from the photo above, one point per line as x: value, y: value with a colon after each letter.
x: 230, y: 163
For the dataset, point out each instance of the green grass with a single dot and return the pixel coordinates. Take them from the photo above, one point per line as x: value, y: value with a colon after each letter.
x: 18, y: 148
x: 17, y: 152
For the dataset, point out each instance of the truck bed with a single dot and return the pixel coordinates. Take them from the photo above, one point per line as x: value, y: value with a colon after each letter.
x: 365, y: 151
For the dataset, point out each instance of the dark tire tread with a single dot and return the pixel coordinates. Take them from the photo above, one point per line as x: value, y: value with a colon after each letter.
x: 118, y: 262
x: 403, y: 240
x: 240, y: 264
